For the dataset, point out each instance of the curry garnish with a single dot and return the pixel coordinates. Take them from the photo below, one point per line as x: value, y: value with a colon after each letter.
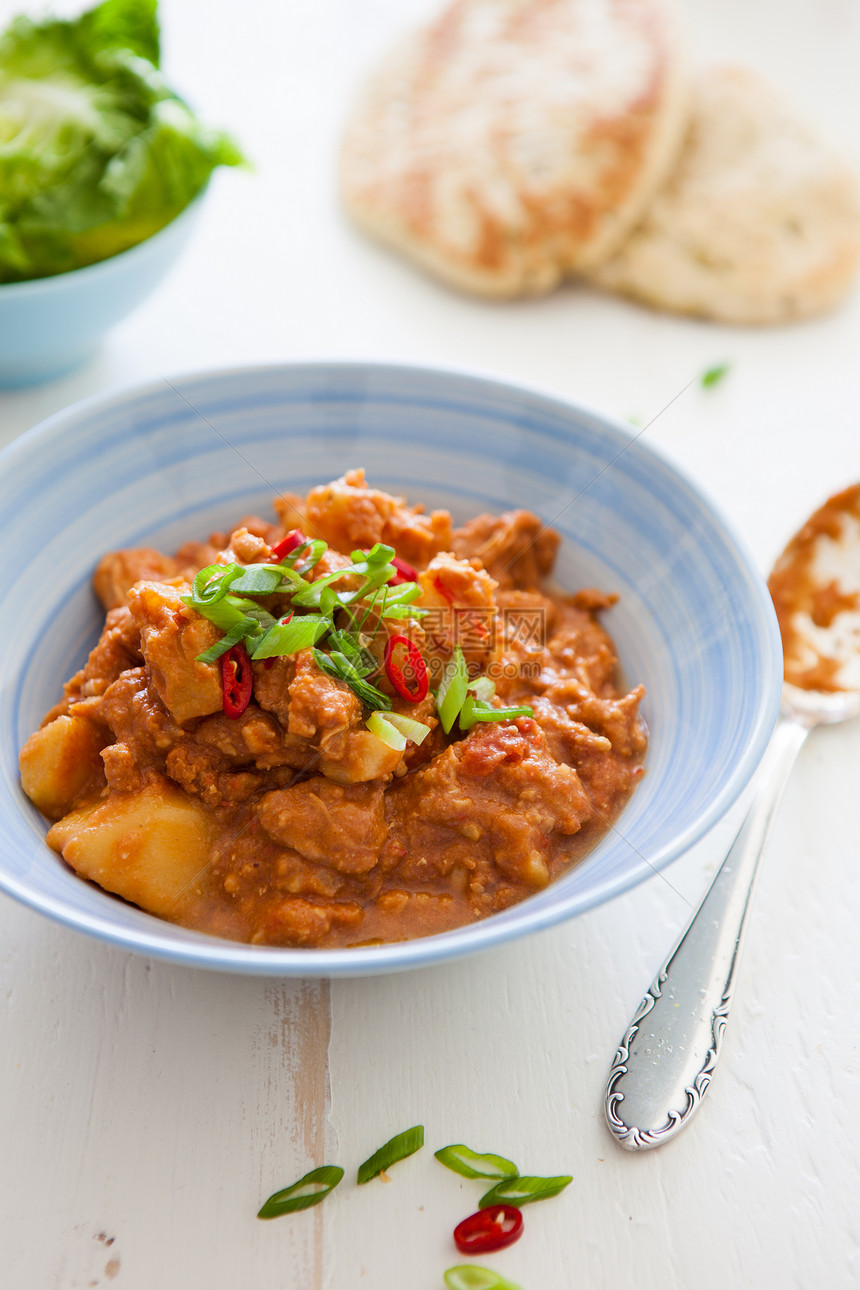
x: 308, y: 1191
x: 397, y: 1148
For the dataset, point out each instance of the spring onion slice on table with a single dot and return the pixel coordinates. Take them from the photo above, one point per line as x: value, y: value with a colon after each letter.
x: 475, y: 1164
x: 468, y: 1276
x: 524, y: 1190
x: 308, y: 1191
x: 397, y: 1148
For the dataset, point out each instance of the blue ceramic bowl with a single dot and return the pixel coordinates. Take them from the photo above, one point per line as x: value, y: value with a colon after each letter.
x: 51, y: 325
x: 172, y: 461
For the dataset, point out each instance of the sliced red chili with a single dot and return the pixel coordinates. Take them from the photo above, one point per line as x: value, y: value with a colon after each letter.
x: 237, y: 681
x: 405, y: 572
x: 414, y: 670
x: 289, y: 543
x: 489, y: 1229
x: 442, y: 589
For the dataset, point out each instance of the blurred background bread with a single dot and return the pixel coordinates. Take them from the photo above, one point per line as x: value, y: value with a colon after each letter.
x: 510, y: 143
x: 759, y: 222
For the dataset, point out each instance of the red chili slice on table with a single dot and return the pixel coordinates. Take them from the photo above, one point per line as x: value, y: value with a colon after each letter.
x: 288, y: 543
x: 414, y: 669
x: 405, y: 572
x: 489, y: 1229
x: 237, y: 681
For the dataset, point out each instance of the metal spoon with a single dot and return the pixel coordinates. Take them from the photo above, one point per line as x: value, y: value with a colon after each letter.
x: 666, y: 1060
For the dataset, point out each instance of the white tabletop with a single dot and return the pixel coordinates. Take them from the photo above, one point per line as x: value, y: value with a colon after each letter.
x: 147, y: 1110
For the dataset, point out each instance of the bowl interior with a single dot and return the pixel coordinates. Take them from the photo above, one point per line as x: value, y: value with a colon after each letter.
x: 177, y: 459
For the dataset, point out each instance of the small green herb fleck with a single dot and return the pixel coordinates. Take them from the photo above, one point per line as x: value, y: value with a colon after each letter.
x: 714, y: 375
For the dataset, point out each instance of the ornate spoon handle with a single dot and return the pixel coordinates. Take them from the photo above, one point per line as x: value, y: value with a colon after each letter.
x: 666, y: 1059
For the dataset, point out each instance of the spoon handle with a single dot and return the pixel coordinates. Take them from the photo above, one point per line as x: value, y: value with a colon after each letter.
x: 666, y: 1059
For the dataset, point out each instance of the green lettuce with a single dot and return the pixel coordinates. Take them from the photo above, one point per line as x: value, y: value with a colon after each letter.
x: 96, y: 152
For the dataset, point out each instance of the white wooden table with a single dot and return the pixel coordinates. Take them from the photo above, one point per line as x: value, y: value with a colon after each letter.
x: 148, y: 1110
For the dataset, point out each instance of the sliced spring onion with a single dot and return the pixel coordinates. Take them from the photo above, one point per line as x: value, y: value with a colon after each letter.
x: 404, y: 593
x: 378, y: 555
x: 452, y: 690
x: 397, y: 1148
x: 258, y: 579
x: 336, y: 665
x: 309, y: 595
x: 394, y: 731
x: 476, y: 1164
x: 213, y: 582
x: 474, y: 710
x: 307, y: 556
x: 483, y: 688
x: 229, y: 610
x: 414, y: 730
x: 308, y: 1191
x: 246, y: 626
x: 364, y: 662
x: 468, y: 1276
x: 522, y: 1191
x: 221, y: 594
x: 379, y: 724
x: 403, y: 611
x: 288, y: 638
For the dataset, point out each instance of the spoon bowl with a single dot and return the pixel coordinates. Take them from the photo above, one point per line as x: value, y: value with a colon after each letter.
x: 818, y: 707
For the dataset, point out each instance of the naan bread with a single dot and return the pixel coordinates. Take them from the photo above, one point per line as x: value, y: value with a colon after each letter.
x: 512, y: 142
x: 759, y: 223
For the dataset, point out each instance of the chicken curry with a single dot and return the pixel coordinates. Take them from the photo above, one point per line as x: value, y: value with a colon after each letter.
x: 353, y: 724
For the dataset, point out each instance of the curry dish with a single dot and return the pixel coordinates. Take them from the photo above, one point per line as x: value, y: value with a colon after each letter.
x: 352, y: 725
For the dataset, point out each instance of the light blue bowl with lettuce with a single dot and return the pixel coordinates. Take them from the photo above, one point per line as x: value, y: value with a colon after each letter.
x: 101, y: 169
x: 52, y: 325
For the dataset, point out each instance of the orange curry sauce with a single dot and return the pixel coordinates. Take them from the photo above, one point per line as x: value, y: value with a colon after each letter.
x: 292, y: 824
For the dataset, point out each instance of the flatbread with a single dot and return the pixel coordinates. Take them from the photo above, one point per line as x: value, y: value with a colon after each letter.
x: 759, y: 223
x: 511, y: 142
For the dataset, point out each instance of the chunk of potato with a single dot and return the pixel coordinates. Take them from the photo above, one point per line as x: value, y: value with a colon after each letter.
x: 60, y: 764
x: 150, y: 847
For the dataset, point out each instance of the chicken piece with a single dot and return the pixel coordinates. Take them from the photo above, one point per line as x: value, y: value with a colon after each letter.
x: 491, y: 803
x: 308, y: 703
x: 245, y: 547
x: 118, y: 571
x: 117, y: 650
x: 516, y: 548
x: 349, y: 515
x: 254, y: 738
x: 331, y: 824
x: 253, y: 524
x: 136, y: 714
x: 172, y: 635
x: 462, y: 611
x: 295, y: 921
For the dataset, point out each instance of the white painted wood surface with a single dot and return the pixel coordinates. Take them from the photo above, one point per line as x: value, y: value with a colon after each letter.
x: 147, y: 1110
